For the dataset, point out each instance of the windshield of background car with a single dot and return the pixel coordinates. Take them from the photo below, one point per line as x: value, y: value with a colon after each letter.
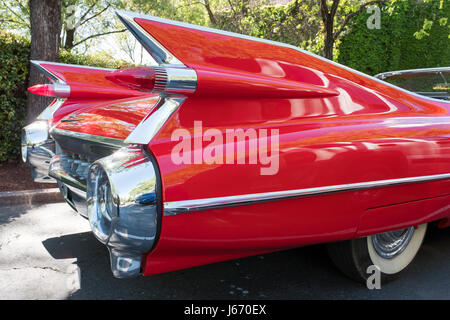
x: 434, y: 84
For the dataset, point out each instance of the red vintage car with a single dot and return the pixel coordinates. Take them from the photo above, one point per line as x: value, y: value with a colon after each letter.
x: 232, y: 146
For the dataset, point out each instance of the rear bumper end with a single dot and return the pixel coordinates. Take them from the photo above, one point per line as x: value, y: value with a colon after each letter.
x: 38, y: 148
x: 124, y: 207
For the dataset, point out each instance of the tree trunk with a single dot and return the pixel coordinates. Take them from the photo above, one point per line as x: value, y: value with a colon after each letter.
x: 211, y: 16
x: 45, y: 20
x: 328, y: 25
x: 329, y: 40
x: 70, y: 37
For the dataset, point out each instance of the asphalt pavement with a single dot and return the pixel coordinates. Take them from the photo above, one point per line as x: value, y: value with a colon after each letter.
x: 48, y: 252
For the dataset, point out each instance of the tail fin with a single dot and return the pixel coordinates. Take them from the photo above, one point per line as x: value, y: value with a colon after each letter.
x: 79, y: 82
x: 226, y: 64
x: 210, y: 62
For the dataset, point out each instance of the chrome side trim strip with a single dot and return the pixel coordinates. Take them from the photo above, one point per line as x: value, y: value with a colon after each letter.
x: 159, y: 53
x: 177, y: 207
x: 90, y: 137
x: 150, y: 126
x: 132, y: 15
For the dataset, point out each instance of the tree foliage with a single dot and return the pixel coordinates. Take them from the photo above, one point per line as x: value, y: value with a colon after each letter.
x: 439, y: 14
x: 395, y: 45
x: 314, y: 25
x: 85, y: 20
x: 15, y: 15
x: 299, y: 22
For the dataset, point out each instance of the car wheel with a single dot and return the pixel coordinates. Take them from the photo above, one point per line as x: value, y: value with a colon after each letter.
x: 391, y: 251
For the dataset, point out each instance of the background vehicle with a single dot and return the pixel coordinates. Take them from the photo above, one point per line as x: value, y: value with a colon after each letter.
x: 430, y: 82
x: 360, y: 160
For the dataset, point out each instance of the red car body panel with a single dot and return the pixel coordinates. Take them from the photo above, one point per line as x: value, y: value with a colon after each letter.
x: 335, y: 127
x: 115, y: 119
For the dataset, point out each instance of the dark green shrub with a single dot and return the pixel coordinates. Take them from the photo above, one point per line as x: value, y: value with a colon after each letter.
x: 394, y: 46
x: 14, y: 61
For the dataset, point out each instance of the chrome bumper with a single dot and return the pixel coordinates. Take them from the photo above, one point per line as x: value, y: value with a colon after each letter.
x: 38, y: 148
x: 124, y: 207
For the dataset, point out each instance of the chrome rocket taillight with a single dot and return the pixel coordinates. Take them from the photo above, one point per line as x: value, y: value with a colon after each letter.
x: 163, y: 79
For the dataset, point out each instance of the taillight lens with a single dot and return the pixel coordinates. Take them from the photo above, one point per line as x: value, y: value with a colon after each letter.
x: 51, y: 90
x: 42, y: 90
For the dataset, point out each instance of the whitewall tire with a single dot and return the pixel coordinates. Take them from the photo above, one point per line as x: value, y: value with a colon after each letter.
x: 391, y: 252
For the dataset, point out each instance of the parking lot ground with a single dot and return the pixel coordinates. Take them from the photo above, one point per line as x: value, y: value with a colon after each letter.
x: 48, y: 252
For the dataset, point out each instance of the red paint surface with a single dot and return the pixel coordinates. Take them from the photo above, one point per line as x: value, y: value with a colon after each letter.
x: 223, y: 83
x: 113, y: 119
x: 140, y: 78
x: 403, y: 215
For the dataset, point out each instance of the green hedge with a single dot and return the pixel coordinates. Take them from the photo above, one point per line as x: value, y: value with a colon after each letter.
x: 14, y: 65
x: 394, y: 46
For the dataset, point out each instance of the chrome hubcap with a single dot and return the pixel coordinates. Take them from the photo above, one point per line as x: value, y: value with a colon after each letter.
x: 390, y: 244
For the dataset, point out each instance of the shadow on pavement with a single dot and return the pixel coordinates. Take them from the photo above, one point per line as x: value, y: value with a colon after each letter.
x: 259, y: 277
x: 11, y: 213
x: 304, y: 273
